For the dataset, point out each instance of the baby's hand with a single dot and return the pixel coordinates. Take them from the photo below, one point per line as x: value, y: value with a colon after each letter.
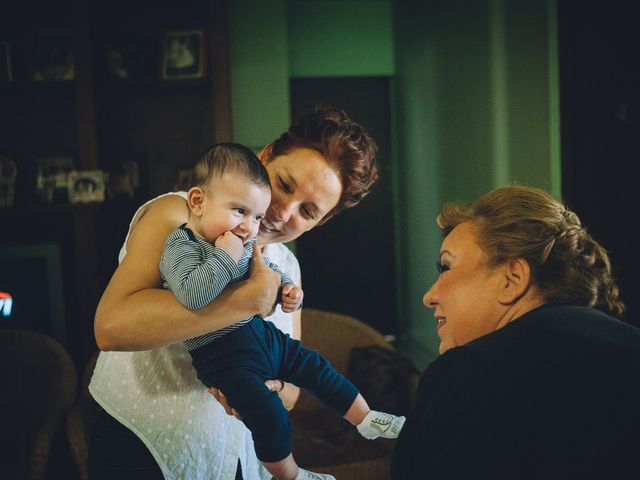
x: 231, y: 244
x: 291, y: 298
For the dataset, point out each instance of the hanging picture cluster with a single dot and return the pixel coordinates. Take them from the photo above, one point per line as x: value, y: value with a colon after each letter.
x: 179, y: 55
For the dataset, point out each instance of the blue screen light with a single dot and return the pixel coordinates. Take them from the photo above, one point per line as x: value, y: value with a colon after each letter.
x: 6, y: 302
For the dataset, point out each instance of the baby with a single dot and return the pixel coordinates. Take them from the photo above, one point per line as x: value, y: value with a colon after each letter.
x: 214, y: 248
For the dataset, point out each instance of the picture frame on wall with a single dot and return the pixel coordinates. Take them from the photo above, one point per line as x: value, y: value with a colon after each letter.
x: 183, y: 55
x: 185, y: 180
x: 53, y: 58
x: 51, y: 177
x: 6, y: 75
x: 86, y: 186
x: 130, y: 60
x: 8, y: 173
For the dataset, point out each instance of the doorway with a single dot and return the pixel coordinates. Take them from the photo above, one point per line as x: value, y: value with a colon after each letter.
x: 348, y: 264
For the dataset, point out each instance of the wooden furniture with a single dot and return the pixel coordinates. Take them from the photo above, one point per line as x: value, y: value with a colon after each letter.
x: 80, y: 421
x: 105, y: 123
x: 38, y: 379
x: 322, y: 441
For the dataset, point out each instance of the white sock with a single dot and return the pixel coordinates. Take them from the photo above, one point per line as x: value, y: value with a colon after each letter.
x: 380, y: 424
x: 307, y: 475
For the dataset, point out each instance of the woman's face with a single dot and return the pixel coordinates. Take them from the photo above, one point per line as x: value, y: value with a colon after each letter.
x: 465, y: 295
x: 304, y: 188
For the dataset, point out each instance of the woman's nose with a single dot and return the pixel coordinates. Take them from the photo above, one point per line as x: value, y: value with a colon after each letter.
x: 429, y: 298
x: 282, y: 211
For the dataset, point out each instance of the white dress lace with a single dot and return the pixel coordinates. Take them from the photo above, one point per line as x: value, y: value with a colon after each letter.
x: 156, y: 394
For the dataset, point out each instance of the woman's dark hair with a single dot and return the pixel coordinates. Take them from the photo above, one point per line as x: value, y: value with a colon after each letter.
x: 345, y: 144
x: 232, y: 158
x: 567, y: 265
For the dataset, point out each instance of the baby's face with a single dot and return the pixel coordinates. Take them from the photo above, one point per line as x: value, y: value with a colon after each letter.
x: 235, y: 205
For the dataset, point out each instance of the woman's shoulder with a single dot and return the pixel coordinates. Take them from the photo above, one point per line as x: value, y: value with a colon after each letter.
x: 164, y: 212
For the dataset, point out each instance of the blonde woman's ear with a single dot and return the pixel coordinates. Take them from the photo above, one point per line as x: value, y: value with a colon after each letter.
x: 517, y: 281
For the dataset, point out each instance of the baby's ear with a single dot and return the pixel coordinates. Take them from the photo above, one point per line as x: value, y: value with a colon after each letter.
x: 195, y: 200
x: 517, y: 276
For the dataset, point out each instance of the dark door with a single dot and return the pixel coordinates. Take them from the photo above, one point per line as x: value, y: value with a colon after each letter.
x: 600, y: 128
x: 348, y: 264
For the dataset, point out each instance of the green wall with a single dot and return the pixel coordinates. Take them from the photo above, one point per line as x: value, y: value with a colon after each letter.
x: 340, y: 38
x: 475, y: 103
x: 274, y: 40
x: 476, y: 107
x: 259, y: 70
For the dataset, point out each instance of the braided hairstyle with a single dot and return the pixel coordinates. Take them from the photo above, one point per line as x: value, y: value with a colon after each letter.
x: 567, y: 265
x: 344, y: 143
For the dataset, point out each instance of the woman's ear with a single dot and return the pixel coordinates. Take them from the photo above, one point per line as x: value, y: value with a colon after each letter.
x: 517, y: 279
x: 265, y: 154
x: 195, y: 200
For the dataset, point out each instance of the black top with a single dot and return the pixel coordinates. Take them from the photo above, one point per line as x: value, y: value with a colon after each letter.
x: 554, y: 394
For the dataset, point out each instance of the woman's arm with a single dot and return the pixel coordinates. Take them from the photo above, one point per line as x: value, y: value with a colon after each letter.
x: 288, y: 392
x: 134, y: 313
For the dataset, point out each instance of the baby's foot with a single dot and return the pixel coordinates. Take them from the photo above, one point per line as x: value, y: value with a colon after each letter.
x: 307, y: 475
x: 380, y: 424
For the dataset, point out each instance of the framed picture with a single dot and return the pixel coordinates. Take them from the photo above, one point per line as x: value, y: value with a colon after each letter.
x: 130, y: 60
x: 183, y: 55
x: 51, y: 178
x: 86, y: 186
x: 5, y: 63
x: 53, y: 58
x: 184, y: 181
x: 8, y: 172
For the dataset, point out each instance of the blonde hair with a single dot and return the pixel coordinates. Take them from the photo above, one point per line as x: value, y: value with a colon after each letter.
x: 567, y: 264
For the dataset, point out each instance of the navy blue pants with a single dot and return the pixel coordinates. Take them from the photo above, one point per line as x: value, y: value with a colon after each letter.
x: 240, y: 362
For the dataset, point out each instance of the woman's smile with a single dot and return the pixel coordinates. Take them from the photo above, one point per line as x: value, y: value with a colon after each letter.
x: 267, y: 227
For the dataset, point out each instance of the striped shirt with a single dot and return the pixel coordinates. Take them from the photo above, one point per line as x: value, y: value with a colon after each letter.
x: 197, y: 271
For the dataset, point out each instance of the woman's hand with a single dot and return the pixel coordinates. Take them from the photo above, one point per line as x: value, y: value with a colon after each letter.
x: 265, y: 284
x: 287, y: 392
x: 219, y: 396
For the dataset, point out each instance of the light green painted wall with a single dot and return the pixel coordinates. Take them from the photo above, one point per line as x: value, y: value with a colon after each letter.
x: 259, y: 70
x: 476, y: 102
x: 274, y: 40
x: 476, y: 105
x: 340, y: 38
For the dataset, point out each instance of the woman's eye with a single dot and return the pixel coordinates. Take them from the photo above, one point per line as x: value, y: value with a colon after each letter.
x: 258, y: 218
x: 308, y: 214
x: 284, y: 186
x: 442, y: 267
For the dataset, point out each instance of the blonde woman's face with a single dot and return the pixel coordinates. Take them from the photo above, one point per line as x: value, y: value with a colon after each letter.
x: 304, y: 188
x: 465, y: 295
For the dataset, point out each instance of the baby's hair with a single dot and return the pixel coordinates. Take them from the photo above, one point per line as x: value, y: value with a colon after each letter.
x: 231, y: 158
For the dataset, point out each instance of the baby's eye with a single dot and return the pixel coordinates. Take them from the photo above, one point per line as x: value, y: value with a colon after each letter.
x: 442, y: 267
x: 240, y: 210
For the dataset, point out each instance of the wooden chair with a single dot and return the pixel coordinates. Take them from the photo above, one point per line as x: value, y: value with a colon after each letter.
x: 80, y: 421
x: 322, y: 441
x: 38, y: 379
